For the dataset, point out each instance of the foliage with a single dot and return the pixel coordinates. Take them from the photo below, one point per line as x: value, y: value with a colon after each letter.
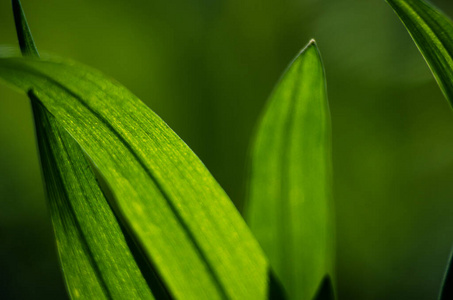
x: 432, y: 31
x: 289, y: 204
x: 137, y: 215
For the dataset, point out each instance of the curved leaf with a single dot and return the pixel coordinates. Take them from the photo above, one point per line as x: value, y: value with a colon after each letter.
x: 289, y: 207
x: 181, y: 217
x: 432, y: 31
x: 96, y: 260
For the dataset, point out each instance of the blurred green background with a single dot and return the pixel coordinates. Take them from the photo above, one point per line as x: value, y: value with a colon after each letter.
x: 206, y: 67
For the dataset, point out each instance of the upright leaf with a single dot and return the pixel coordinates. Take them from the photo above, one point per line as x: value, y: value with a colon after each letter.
x: 184, y: 221
x: 96, y: 260
x: 289, y: 203
x: 432, y: 31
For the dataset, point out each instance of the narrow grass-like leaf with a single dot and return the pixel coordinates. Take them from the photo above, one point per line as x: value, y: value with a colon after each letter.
x: 447, y: 285
x: 94, y: 255
x: 289, y: 204
x: 432, y: 31
x: 26, y: 42
x: 96, y: 260
x: 186, y: 224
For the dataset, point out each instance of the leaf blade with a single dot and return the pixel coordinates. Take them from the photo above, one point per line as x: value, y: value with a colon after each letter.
x: 165, y: 193
x: 290, y: 181
x: 96, y: 260
x: 26, y: 42
x: 95, y: 257
x: 432, y: 32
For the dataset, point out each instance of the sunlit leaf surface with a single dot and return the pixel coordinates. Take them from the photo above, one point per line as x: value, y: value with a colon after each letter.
x: 96, y: 260
x: 183, y: 220
x: 290, y: 206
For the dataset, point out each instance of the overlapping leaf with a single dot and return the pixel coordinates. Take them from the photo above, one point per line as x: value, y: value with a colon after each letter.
x: 181, y: 217
x: 96, y: 260
x: 290, y: 205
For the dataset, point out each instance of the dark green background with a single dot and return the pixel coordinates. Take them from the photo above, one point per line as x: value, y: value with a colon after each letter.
x: 206, y: 67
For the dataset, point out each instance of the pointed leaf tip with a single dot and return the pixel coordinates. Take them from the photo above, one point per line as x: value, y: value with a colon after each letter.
x: 287, y: 189
x: 311, y: 43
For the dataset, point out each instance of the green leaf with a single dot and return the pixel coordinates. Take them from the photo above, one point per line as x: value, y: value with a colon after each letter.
x: 432, y: 31
x: 95, y: 257
x: 96, y: 260
x: 182, y: 219
x: 26, y: 42
x: 289, y: 205
x: 447, y: 285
